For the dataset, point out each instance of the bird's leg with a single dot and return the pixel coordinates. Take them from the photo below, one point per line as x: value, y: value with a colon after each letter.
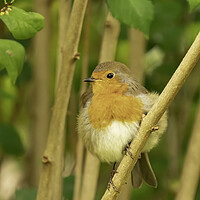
x: 126, y: 150
x: 114, y: 171
x: 154, y: 128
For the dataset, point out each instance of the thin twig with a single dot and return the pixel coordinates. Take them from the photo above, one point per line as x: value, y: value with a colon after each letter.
x: 137, y: 53
x: 191, y: 169
x: 79, y: 145
x: 64, y: 14
x: 107, y: 53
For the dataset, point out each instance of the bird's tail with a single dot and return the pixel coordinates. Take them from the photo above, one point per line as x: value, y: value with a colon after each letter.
x: 143, y: 171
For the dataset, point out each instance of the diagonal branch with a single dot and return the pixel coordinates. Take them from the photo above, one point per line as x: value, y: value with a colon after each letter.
x: 164, y: 100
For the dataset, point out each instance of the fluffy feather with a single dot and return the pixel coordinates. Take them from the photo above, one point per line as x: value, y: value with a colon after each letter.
x: 111, y: 114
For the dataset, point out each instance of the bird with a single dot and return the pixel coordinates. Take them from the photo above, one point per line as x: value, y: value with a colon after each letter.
x: 112, y: 109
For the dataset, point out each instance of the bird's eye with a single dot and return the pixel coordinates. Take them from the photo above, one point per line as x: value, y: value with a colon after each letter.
x: 110, y: 75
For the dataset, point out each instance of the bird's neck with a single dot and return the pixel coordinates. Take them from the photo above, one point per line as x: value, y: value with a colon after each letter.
x: 106, y: 88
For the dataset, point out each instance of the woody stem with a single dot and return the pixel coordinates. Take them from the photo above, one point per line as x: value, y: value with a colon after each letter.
x: 50, y: 184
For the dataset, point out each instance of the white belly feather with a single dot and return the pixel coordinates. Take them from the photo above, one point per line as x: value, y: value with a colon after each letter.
x: 107, y: 143
x: 111, y: 141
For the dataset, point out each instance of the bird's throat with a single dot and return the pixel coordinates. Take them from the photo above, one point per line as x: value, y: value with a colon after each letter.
x: 103, y: 109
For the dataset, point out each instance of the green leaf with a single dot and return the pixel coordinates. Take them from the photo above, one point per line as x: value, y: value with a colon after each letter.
x: 26, y: 74
x: 26, y: 194
x: 134, y: 13
x: 10, y: 142
x: 22, y: 24
x: 12, y: 56
x: 193, y: 4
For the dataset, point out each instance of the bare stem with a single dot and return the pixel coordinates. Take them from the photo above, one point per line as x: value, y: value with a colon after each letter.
x: 79, y: 145
x: 110, y: 38
x: 64, y: 14
x: 41, y: 105
x: 166, y: 97
x: 90, y: 177
x: 50, y: 185
x: 107, y: 53
x: 137, y: 53
x: 191, y: 168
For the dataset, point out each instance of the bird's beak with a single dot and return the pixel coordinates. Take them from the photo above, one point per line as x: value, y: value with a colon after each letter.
x: 91, y: 79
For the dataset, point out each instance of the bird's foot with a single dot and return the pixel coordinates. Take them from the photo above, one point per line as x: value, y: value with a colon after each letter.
x: 113, y: 185
x: 114, y: 171
x: 126, y: 150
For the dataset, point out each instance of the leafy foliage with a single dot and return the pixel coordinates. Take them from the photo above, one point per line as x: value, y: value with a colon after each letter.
x: 12, y: 56
x: 193, y: 4
x: 22, y: 24
x: 134, y: 13
x: 10, y: 142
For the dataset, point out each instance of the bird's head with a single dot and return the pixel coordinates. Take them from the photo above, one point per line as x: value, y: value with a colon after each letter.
x: 110, y: 77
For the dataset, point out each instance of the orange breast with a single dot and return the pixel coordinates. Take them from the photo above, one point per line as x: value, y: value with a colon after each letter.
x: 106, y: 108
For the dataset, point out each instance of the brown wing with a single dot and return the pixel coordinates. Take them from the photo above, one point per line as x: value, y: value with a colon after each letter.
x: 135, y: 88
x: 147, y: 171
x: 86, y: 96
x: 136, y: 176
x: 143, y: 171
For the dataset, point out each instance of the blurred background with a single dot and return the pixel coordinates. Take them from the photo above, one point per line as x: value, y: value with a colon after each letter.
x: 25, y: 107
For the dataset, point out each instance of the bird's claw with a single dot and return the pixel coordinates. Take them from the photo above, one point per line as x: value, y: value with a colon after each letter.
x: 126, y: 150
x: 113, y: 185
x: 114, y: 171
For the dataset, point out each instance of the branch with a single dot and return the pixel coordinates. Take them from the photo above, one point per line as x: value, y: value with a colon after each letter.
x: 90, y: 177
x: 40, y: 108
x: 79, y: 145
x: 154, y: 115
x: 191, y: 168
x: 64, y: 14
x: 110, y: 38
x: 137, y: 53
x: 107, y: 53
x: 50, y: 185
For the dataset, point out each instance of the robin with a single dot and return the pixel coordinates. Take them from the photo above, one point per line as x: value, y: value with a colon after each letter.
x: 112, y: 109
